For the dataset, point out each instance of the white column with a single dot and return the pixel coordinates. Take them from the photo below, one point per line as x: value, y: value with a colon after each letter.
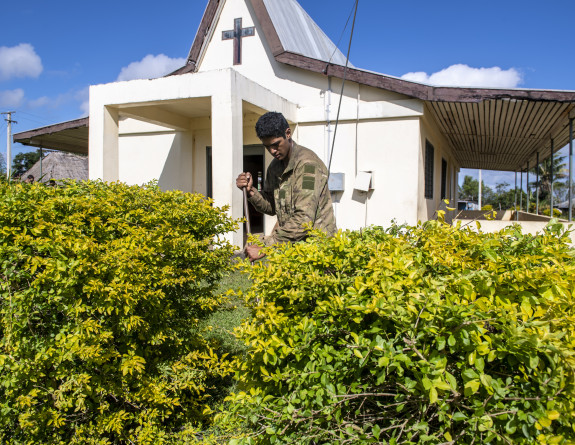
x: 104, y: 135
x: 111, y: 164
x: 227, y: 154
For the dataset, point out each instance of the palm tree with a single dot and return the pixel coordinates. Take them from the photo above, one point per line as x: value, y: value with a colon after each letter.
x: 545, y: 176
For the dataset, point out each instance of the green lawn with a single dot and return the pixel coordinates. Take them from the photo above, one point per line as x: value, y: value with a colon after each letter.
x: 224, y: 322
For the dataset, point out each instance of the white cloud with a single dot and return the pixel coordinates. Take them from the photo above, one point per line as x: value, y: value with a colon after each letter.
x: 40, y: 102
x: 12, y: 98
x: 151, y: 67
x: 465, y: 76
x: 19, y: 61
x: 84, y: 97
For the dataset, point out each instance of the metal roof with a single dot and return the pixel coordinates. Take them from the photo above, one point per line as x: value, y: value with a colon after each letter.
x: 503, y: 134
x: 299, y: 34
x: 71, y: 136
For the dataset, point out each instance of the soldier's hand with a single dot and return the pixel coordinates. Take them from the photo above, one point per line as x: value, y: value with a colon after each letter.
x: 245, y: 180
x: 254, y: 252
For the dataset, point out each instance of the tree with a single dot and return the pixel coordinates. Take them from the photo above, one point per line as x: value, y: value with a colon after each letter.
x: 504, y: 197
x: 22, y: 162
x: 544, y: 182
x: 2, y: 165
x: 469, y: 190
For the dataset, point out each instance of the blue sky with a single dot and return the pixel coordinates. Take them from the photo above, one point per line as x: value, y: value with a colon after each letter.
x: 50, y: 52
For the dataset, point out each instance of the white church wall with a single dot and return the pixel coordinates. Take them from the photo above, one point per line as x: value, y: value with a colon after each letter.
x: 151, y: 152
x: 387, y: 148
x: 306, y: 89
x: 390, y: 149
x: 378, y: 131
x: 144, y: 159
x: 427, y: 208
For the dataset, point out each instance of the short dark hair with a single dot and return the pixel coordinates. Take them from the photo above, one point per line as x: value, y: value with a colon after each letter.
x: 271, y: 125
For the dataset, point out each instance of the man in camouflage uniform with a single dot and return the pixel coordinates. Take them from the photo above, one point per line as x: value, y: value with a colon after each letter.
x: 295, y: 187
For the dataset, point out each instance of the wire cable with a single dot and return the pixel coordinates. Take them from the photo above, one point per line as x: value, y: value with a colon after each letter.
x: 338, y: 108
x: 341, y: 35
x: 342, y: 88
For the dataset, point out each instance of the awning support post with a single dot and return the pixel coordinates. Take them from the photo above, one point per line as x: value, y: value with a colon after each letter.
x: 570, y: 193
x: 528, y: 190
x: 515, y: 199
x: 537, y: 187
x: 521, y: 191
x: 551, y: 172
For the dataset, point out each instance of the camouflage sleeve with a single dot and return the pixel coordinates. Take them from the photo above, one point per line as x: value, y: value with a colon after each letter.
x: 264, y: 201
x: 308, y: 183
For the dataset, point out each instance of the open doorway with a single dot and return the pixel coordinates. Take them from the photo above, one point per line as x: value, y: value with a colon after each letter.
x: 254, y: 163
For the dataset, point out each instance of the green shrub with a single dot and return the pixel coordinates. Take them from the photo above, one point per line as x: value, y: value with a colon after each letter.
x: 427, y: 334
x: 487, y: 207
x: 556, y: 212
x: 103, y: 291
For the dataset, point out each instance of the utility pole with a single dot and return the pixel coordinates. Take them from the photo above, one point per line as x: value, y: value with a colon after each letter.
x: 9, y: 142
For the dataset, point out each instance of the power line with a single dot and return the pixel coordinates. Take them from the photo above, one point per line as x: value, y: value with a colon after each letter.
x: 42, y: 121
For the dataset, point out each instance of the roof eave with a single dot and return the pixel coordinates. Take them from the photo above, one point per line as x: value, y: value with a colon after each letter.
x: 419, y: 90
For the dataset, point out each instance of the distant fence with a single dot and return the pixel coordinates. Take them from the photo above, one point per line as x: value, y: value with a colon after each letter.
x: 529, y: 222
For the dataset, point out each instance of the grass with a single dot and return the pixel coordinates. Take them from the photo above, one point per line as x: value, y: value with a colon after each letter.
x: 224, y: 321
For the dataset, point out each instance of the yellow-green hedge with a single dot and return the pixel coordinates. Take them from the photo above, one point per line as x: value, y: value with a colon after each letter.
x: 103, y: 288
x: 427, y: 334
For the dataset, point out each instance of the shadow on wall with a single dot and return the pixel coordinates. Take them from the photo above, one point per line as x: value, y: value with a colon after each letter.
x: 177, y: 170
x: 361, y: 197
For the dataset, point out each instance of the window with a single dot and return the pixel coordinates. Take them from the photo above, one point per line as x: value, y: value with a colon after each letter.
x: 429, y: 166
x: 443, y: 179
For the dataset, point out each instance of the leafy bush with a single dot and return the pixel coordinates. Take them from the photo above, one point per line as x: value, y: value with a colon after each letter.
x: 427, y: 334
x: 104, y: 289
x: 487, y: 207
x: 556, y: 212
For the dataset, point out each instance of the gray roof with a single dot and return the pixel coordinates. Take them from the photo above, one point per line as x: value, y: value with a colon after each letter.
x: 300, y: 34
x: 565, y: 204
x: 59, y: 165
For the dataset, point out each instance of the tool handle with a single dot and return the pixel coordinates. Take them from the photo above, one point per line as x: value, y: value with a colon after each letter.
x: 247, y: 211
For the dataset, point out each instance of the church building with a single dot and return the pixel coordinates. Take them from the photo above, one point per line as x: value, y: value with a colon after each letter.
x: 399, y: 144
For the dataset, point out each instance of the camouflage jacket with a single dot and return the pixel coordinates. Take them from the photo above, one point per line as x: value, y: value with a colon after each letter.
x: 297, y: 194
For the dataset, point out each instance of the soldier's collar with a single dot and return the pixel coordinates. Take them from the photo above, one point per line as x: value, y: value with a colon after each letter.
x: 293, y: 154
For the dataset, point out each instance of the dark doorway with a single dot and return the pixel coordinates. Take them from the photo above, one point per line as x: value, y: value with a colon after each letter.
x: 209, y: 178
x: 254, y: 163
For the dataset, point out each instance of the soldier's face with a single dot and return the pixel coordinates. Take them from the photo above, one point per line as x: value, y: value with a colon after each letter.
x: 280, y: 147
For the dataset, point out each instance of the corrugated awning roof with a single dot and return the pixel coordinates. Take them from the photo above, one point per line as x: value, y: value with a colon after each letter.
x: 503, y: 134
x: 71, y: 136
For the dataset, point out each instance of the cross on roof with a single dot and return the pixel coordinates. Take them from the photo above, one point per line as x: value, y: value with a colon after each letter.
x: 236, y: 34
